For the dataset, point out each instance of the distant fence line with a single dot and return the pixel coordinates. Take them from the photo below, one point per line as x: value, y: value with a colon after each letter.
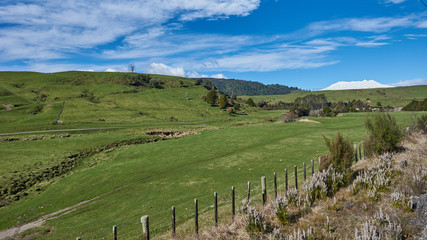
x: 290, y: 180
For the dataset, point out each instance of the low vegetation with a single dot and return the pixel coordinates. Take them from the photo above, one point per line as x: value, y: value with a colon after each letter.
x: 387, y: 200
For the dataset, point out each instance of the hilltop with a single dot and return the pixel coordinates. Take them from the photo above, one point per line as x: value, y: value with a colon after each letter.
x: 242, y: 87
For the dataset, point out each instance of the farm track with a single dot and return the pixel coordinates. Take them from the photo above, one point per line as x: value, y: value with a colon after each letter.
x: 14, y: 231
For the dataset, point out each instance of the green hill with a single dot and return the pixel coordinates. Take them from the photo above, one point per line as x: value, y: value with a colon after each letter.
x: 398, y: 96
x: 241, y: 87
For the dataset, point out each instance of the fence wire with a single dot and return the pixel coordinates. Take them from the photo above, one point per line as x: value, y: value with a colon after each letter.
x: 161, y: 221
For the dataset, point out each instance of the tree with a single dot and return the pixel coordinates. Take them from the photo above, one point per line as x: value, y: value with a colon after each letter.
x: 250, y: 102
x: 222, y: 101
x: 208, y: 85
x: 198, y: 82
x: 212, y: 97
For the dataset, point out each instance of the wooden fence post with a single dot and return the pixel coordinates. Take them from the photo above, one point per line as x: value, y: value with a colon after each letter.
x: 145, y: 227
x: 305, y: 173
x: 296, y: 177
x: 196, y: 217
x: 233, y: 203
x: 249, y: 192
x: 173, y: 223
x: 355, y: 152
x: 216, y: 208
x: 264, y: 189
x: 360, y: 150
x: 275, y: 186
x: 286, y: 180
x: 114, y: 232
x: 312, y: 167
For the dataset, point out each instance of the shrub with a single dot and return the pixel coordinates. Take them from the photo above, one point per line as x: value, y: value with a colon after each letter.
x: 289, y: 117
x: 341, y: 153
x: 422, y: 123
x: 384, y: 134
x: 222, y: 102
x: 250, y: 102
x: 211, y: 97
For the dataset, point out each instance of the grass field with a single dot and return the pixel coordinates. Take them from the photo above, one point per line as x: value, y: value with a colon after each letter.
x: 135, y: 180
x: 398, y: 96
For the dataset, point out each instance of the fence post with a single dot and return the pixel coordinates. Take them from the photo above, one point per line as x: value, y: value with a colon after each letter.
x: 264, y: 189
x: 173, y: 223
x: 312, y: 167
x: 296, y: 177
x: 145, y: 227
x: 114, y: 232
x: 305, y: 172
x: 275, y: 186
x: 249, y: 192
x: 360, y: 150
x: 233, y: 203
x: 286, y: 180
x: 216, y: 208
x: 196, y: 217
x: 355, y: 152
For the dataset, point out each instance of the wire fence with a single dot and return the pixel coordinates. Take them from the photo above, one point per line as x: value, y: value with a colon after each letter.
x: 161, y: 222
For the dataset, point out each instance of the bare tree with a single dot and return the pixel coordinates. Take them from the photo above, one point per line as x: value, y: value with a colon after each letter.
x: 132, y: 67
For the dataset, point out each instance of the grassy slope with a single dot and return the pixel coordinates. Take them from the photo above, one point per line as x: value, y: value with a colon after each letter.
x: 399, y: 96
x: 157, y: 174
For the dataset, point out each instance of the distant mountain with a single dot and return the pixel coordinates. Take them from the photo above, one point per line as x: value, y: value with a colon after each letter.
x: 341, y: 85
x: 241, y: 87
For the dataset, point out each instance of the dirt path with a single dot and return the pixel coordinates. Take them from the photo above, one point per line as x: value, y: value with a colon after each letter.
x: 12, y: 233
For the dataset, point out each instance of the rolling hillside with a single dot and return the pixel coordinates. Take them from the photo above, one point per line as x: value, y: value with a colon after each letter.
x: 155, y: 145
x: 398, y: 96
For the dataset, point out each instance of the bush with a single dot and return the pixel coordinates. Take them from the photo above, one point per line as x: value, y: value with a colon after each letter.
x: 422, y: 124
x: 222, y: 102
x: 250, y: 102
x: 384, y: 134
x: 212, y: 97
x: 288, y: 117
x: 341, y: 153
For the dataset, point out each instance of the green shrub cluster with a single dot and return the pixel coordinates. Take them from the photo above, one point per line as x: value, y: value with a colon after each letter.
x: 384, y: 134
x: 415, y: 105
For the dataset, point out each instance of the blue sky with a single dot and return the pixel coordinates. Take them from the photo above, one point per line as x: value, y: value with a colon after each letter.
x: 309, y: 44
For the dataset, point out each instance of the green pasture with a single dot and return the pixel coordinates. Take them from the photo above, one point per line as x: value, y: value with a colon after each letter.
x: 156, y: 176
x: 398, y: 96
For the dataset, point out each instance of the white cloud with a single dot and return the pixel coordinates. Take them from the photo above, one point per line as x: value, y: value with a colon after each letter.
x: 412, y: 82
x: 52, y: 29
x: 160, y: 68
x: 395, y: 1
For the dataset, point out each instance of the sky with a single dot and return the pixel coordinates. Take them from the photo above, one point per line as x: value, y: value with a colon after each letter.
x: 309, y: 44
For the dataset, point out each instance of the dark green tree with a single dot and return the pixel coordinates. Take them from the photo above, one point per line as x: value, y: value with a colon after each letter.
x: 250, y: 102
x: 222, y: 102
x: 212, y: 97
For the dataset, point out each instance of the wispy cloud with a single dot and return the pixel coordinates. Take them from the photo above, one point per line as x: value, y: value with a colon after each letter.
x: 412, y: 82
x: 160, y: 68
